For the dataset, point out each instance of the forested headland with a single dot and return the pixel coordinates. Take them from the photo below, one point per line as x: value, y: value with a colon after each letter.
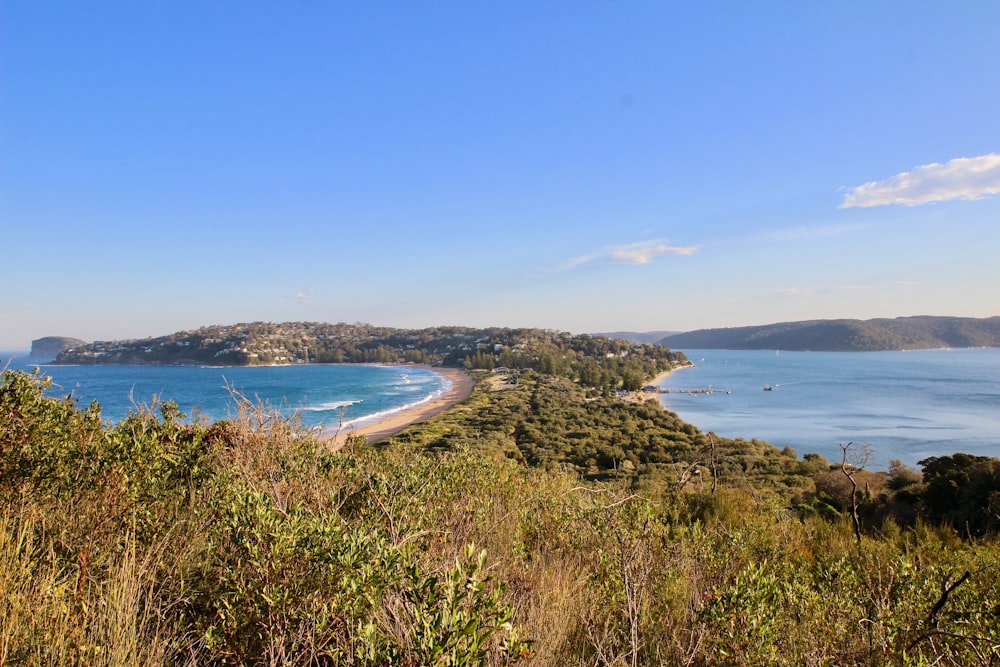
x: 262, y: 343
x: 901, y: 333
x: 553, y: 518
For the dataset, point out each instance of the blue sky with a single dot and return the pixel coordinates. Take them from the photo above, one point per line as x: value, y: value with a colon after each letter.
x: 584, y: 166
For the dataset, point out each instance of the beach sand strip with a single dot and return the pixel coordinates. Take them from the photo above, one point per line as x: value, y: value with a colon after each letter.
x: 461, y: 387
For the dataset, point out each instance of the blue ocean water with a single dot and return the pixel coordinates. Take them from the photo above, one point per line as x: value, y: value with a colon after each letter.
x: 907, y: 405
x: 328, y: 396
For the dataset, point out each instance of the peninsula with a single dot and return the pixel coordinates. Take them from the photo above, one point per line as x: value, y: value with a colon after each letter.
x: 599, y: 361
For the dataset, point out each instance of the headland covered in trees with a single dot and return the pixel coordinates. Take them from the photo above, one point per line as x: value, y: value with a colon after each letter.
x: 901, y: 333
x: 593, y: 360
x: 553, y: 517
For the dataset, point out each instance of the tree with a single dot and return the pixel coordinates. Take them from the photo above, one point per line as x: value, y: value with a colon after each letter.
x: 902, y: 475
x: 632, y: 379
x: 855, y: 458
x: 965, y: 490
x: 481, y: 360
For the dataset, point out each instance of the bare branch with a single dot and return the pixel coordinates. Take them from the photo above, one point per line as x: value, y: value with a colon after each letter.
x: 855, y: 458
x: 946, y: 590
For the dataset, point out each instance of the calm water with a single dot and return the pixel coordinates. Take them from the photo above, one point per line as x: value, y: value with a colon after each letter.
x: 322, y: 395
x: 906, y: 405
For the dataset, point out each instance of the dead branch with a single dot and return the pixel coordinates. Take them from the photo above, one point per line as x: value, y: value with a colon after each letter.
x: 946, y: 590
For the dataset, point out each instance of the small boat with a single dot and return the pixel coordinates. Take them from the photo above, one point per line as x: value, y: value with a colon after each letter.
x: 767, y: 387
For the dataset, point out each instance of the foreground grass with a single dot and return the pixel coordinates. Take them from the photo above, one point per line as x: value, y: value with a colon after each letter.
x: 157, y: 542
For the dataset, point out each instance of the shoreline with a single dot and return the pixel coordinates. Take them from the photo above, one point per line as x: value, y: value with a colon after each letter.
x: 461, y: 387
x: 643, y: 395
x: 655, y: 382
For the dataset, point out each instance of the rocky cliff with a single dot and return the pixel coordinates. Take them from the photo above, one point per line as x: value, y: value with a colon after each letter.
x: 48, y: 348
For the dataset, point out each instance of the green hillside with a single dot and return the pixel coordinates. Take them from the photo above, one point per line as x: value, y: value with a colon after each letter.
x: 904, y: 333
x: 262, y: 343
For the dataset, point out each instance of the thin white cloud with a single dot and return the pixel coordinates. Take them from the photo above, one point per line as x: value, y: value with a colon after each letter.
x: 635, y: 253
x: 300, y: 297
x: 961, y: 178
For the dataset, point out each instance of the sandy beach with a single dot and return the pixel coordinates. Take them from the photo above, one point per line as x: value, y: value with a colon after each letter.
x: 655, y: 382
x: 461, y: 386
x: 639, y: 396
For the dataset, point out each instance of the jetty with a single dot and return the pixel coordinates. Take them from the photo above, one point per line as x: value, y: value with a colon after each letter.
x: 698, y: 390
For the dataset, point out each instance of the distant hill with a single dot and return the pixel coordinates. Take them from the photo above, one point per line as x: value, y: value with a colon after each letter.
x: 49, y: 347
x: 902, y: 333
x: 635, y: 338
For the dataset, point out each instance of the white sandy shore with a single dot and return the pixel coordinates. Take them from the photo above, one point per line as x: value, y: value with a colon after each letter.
x: 640, y: 396
x: 461, y: 386
x: 655, y: 382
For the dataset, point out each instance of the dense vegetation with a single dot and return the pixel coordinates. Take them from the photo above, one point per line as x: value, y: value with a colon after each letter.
x: 157, y: 541
x: 553, y: 423
x: 302, y: 342
x: 903, y: 333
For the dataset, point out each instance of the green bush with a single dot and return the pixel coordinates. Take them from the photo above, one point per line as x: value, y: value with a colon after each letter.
x: 250, y: 542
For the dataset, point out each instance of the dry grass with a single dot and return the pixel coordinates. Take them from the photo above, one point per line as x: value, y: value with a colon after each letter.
x: 250, y: 543
x: 52, y: 614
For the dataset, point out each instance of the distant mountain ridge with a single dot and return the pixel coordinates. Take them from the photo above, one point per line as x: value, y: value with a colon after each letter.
x: 901, y: 333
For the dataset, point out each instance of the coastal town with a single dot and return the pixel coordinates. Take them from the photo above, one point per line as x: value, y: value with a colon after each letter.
x: 265, y: 343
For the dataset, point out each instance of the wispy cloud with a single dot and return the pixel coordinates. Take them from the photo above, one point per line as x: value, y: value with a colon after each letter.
x: 635, y: 253
x: 961, y: 178
x: 300, y: 297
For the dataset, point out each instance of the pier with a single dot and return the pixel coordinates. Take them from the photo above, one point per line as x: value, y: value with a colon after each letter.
x: 699, y: 390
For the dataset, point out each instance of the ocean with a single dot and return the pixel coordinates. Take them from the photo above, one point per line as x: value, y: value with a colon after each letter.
x: 326, y: 396
x: 907, y: 405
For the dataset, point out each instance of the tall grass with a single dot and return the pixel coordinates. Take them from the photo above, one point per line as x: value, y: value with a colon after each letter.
x: 56, y: 612
x: 249, y: 542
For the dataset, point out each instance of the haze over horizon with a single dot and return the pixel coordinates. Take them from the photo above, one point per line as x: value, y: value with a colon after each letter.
x: 585, y: 167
